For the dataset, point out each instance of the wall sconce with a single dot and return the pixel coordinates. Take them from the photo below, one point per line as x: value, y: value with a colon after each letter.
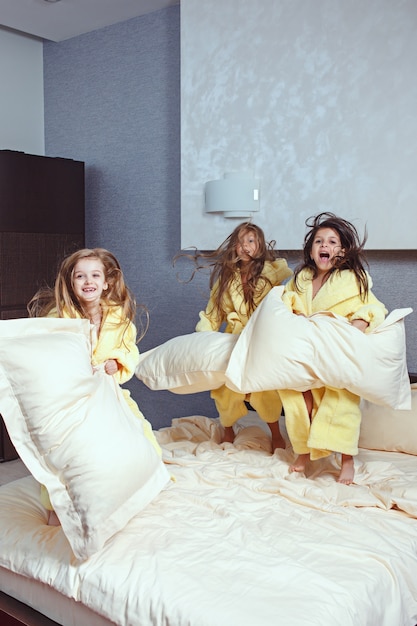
x: 235, y: 195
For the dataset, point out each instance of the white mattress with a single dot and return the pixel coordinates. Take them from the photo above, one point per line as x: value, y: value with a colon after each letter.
x: 46, y: 600
x: 236, y: 541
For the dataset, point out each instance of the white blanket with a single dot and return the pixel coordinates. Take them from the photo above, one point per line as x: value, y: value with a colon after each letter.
x: 236, y: 540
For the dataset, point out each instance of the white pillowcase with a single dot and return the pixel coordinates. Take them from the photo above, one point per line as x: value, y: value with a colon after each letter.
x: 74, y: 431
x: 188, y: 363
x: 280, y: 350
x: 388, y: 429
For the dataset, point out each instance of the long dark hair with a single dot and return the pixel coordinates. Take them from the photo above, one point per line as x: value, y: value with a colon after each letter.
x: 353, y: 257
x: 224, y: 262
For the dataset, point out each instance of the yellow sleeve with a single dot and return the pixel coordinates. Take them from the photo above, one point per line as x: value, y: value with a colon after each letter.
x: 117, y: 340
x: 294, y: 302
x: 373, y: 312
x: 124, y: 351
x: 281, y: 271
x: 354, y: 308
x: 292, y: 299
x: 209, y: 319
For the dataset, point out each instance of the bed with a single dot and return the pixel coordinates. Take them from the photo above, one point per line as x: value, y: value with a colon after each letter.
x: 223, y: 535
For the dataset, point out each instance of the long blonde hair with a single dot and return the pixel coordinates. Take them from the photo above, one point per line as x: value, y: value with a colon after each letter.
x: 62, y: 297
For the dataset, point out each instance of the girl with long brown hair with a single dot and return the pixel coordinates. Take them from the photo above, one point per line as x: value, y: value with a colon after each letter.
x: 244, y: 268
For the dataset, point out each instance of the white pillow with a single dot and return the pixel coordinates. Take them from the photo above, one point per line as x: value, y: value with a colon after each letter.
x: 280, y: 350
x: 188, y: 363
x: 74, y: 430
x: 383, y: 428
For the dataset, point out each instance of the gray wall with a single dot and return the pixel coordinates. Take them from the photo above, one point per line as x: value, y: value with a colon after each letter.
x: 112, y: 99
x: 317, y: 98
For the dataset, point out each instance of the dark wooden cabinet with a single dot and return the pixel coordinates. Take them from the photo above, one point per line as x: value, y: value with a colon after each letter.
x: 42, y: 211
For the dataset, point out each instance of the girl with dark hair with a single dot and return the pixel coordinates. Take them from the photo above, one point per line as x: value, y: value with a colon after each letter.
x: 333, y: 278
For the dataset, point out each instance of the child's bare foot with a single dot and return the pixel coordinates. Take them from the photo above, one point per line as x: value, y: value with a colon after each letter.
x: 348, y: 470
x: 228, y: 435
x: 277, y: 439
x: 300, y: 463
x: 53, y: 519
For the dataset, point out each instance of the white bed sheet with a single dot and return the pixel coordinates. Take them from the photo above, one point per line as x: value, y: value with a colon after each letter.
x: 49, y: 602
x: 237, y: 540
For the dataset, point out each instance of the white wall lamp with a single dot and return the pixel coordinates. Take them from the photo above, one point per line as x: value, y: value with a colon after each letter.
x: 236, y: 195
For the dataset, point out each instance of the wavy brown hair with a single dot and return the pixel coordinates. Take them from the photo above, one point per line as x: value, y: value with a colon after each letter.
x: 224, y: 262
x: 62, y: 297
x: 353, y: 257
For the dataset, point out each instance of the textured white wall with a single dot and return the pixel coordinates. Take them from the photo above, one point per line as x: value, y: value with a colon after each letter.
x: 317, y: 98
x: 21, y: 101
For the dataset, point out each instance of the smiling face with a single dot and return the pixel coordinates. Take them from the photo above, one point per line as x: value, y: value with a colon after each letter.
x: 89, y: 281
x: 326, y: 249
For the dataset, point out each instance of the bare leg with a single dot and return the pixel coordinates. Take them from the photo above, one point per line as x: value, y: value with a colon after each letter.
x: 277, y: 438
x: 53, y: 519
x: 300, y: 463
x: 229, y: 434
x: 308, y: 399
x: 348, y: 470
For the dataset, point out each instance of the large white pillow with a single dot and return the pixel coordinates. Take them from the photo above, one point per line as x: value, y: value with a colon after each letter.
x: 187, y: 363
x: 74, y: 431
x: 280, y: 350
x: 383, y: 428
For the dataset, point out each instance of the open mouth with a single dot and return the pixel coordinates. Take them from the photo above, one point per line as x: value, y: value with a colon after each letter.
x: 325, y: 256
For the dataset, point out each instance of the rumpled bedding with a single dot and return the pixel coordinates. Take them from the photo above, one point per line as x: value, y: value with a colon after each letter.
x: 236, y: 540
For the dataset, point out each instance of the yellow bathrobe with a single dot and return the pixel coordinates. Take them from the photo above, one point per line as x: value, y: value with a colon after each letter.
x: 336, y: 415
x: 116, y: 340
x: 230, y: 405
